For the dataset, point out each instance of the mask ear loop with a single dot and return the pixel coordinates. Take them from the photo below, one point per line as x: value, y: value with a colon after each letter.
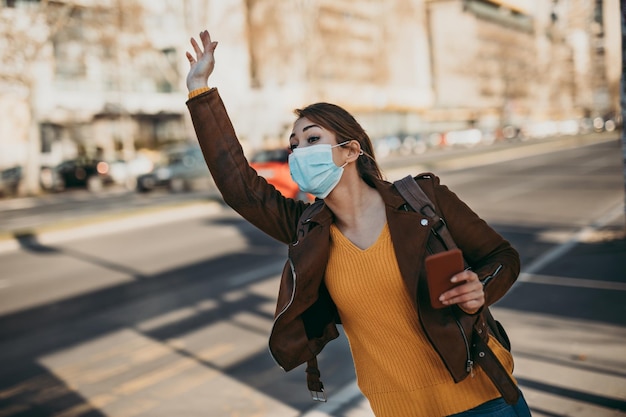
x: 343, y: 143
x: 360, y: 153
x: 340, y: 144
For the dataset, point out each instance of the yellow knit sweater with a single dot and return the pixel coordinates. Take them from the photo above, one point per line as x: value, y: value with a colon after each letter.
x: 397, y: 369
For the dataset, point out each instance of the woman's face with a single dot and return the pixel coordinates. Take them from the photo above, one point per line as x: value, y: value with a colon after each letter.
x: 306, y: 133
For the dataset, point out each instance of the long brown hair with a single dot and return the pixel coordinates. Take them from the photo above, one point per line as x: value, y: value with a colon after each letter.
x: 346, y: 128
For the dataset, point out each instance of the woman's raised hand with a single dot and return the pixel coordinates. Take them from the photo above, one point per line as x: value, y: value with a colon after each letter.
x: 202, y: 65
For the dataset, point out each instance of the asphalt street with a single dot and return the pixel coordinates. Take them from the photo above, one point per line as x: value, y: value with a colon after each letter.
x: 168, y: 312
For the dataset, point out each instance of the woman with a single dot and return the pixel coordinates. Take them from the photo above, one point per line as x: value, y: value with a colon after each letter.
x: 356, y: 256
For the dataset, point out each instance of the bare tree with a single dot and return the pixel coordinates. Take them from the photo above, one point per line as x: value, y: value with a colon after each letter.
x: 63, y: 36
x: 25, y: 35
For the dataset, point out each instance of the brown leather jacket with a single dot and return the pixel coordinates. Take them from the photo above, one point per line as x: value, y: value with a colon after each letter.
x: 306, y: 317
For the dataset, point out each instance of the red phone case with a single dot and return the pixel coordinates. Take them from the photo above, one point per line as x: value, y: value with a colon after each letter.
x: 440, y: 267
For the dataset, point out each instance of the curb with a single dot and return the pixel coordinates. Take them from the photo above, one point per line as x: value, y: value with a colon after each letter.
x: 488, y: 155
x: 113, y: 224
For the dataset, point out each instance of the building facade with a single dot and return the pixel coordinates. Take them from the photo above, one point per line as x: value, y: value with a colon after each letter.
x: 106, y: 78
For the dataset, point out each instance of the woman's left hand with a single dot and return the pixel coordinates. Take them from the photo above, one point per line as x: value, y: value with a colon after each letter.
x: 201, y: 66
x: 469, y: 295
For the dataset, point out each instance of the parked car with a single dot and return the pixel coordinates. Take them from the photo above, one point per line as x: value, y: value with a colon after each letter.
x: 125, y: 173
x: 463, y: 138
x: 81, y: 172
x: 10, y: 181
x: 273, y: 165
x: 401, y: 144
x: 183, y: 169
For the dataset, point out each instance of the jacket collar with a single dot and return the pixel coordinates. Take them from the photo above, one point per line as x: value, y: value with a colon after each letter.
x: 387, y: 190
x: 389, y: 194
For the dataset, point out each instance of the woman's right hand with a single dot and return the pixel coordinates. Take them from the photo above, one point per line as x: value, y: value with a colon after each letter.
x: 202, y: 65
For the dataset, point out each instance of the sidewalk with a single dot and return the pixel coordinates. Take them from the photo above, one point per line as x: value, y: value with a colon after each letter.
x: 571, y: 366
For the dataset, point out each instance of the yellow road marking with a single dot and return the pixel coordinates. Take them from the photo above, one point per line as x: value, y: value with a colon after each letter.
x: 215, y: 351
x: 78, y: 368
x: 134, y: 408
x: 14, y: 409
x: 32, y: 384
x: 155, y: 377
x: 75, y: 411
x: 189, y: 383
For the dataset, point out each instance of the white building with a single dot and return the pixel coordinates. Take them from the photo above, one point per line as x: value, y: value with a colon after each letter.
x: 107, y: 78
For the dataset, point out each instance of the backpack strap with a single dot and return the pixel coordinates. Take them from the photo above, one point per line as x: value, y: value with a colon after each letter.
x: 313, y: 381
x: 420, y: 203
x: 315, y: 385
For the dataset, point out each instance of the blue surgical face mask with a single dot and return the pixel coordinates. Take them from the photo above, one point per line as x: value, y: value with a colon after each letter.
x: 313, y: 169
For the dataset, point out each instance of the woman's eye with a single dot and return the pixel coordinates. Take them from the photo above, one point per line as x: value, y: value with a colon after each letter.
x: 313, y: 139
x: 293, y: 146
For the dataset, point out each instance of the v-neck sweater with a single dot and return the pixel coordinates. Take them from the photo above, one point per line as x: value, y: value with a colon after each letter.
x: 397, y: 369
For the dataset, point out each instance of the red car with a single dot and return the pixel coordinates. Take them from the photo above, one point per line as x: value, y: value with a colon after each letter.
x: 273, y: 165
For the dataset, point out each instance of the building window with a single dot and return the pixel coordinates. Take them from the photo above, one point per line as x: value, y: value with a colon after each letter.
x: 502, y: 13
x: 18, y: 3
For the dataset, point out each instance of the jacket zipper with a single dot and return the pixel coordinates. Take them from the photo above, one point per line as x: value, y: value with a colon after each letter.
x: 492, y: 276
x: 469, y: 365
x: 293, y: 294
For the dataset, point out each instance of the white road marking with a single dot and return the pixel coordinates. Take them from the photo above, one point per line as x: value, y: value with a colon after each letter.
x: 572, y: 282
x: 584, y: 233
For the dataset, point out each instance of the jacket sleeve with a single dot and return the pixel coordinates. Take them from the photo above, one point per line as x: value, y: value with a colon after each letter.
x: 240, y: 185
x: 493, y: 258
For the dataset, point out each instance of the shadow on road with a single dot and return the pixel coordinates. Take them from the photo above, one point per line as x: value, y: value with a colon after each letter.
x: 28, y: 335
x: 28, y: 389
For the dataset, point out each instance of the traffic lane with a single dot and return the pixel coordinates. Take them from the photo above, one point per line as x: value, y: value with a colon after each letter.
x: 560, y: 189
x: 543, y: 201
x: 566, y: 319
x: 565, y: 365
x: 181, y: 321
x: 587, y: 282
x: 118, y: 365
x: 46, y: 273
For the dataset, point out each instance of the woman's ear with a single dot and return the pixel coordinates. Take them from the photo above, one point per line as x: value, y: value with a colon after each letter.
x: 355, y: 150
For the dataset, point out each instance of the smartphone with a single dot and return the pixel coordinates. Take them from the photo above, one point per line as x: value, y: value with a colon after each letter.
x: 440, y: 268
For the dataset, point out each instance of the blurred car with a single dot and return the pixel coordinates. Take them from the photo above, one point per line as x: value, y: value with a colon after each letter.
x: 414, y: 144
x: 401, y: 144
x: 273, y: 165
x: 10, y: 181
x: 387, y: 145
x: 183, y: 169
x: 125, y: 173
x: 463, y: 138
x: 81, y: 172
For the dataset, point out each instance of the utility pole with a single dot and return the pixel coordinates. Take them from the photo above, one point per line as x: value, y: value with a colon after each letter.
x: 623, y: 93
